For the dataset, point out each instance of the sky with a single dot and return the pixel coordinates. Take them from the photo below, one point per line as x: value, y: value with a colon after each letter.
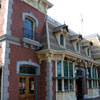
x: 71, y: 12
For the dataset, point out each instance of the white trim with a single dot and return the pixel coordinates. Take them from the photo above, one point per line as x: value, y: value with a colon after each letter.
x: 64, y: 42
x: 47, y: 31
x: 5, y: 70
x: 37, y: 66
x: 56, y: 67
x: 25, y: 14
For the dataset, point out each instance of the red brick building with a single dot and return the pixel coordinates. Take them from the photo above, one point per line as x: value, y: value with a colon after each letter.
x: 41, y: 59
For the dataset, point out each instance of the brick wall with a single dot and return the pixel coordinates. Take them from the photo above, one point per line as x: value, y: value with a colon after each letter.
x: 18, y: 24
x: 85, y: 82
x: 18, y: 53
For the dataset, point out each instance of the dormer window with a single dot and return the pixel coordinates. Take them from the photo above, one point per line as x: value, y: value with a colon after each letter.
x: 88, y: 52
x: 77, y: 47
x: 60, y: 33
x: 76, y: 40
x: 61, y: 40
x: 29, y: 28
x: 87, y: 46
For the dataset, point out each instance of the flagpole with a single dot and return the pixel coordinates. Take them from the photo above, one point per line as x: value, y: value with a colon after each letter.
x: 82, y: 24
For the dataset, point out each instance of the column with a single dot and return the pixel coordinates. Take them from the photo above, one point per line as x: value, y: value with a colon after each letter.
x: 49, y: 82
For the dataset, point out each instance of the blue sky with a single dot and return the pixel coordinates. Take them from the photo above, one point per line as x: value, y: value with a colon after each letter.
x: 70, y: 11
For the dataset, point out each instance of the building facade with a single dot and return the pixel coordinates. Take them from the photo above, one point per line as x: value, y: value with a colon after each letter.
x: 41, y: 59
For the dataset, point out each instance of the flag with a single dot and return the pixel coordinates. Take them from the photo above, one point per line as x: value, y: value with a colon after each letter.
x: 81, y: 18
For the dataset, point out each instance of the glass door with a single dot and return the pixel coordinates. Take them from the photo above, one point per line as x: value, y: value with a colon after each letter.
x: 27, y: 88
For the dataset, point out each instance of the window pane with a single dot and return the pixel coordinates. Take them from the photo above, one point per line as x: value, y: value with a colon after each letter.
x: 65, y: 64
x: 66, y: 85
x: 88, y: 52
x: 95, y: 84
x: 77, y: 46
x: 61, y: 40
x: 71, y: 85
x: 28, y: 28
x: 70, y: 69
x: 58, y: 68
x: 22, y: 85
x: 59, y: 85
x: 27, y: 69
x: 94, y: 73
x: 31, y: 85
x: 89, y: 72
x: 90, y: 83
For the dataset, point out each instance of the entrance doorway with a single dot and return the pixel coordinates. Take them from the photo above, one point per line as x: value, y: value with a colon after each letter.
x: 27, y: 84
x: 79, y: 85
x: 27, y: 88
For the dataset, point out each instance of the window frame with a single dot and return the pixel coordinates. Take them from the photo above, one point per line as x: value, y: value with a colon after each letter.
x: 61, y: 40
x: 88, y: 52
x: 33, y: 27
x: 68, y: 78
x: 77, y: 47
x: 93, y: 79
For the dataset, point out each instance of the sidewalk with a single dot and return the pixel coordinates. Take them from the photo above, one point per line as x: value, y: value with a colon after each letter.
x: 98, y: 98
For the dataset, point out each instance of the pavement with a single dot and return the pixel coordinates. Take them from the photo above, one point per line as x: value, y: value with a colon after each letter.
x: 92, y: 99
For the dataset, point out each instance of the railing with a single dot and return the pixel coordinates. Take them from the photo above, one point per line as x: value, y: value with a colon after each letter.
x: 30, y: 34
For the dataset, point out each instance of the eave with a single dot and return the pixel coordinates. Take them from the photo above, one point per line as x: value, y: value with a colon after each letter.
x: 65, y: 52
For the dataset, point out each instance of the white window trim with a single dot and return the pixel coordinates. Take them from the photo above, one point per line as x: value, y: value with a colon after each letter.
x: 89, y: 52
x: 76, y: 46
x: 19, y: 63
x: 62, y: 74
x: 62, y: 46
x: 25, y: 14
x: 92, y: 76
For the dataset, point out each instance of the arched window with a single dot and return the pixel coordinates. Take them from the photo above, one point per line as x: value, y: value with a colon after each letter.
x: 61, y: 40
x: 77, y: 46
x: 88, y: 52
x: 29, y: 28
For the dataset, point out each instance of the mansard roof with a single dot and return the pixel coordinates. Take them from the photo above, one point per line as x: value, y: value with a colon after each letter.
x: 95, y: 50
x: 49, y: 38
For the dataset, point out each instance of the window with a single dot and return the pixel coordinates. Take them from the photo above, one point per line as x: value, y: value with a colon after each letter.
x: 92, y: 77
x: 59, y: 85
x: 27, y: 69
x: 28, y: 28
x: 67, y: 73
x: 89, y: 72
x: 58, y: 68
x: 88, y: 52
x: 70, y: 69
x: 66, y: 85
x: 89, y: 76
x: 61, y: 40
x: 65, y: 69
x: 77, y: 47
